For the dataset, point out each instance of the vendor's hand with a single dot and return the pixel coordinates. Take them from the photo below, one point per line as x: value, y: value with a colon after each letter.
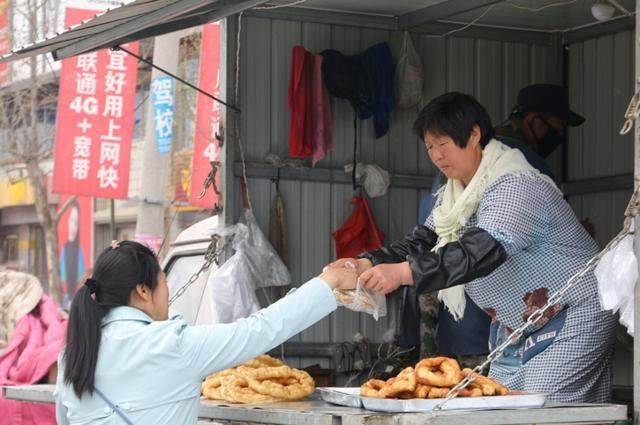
x: 359, y: 264
x: 340, y: 278
x: 386, y: 278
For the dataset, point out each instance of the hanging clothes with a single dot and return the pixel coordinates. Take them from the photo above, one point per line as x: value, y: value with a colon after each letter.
x: 365, y: 80
x: 359, y: 233
x: 322, y: 120
x: 377, y: 73
x: 300, y: 91
x: 341, y: 75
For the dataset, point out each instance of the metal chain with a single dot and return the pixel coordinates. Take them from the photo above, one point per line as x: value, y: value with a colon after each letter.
x: 630, y: 212
x: 211, y: 256
x: 633, y: 110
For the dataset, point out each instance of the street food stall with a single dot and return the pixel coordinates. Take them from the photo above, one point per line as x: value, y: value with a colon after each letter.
x: 489, y: 48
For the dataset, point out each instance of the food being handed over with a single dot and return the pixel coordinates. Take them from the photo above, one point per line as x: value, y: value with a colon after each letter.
x: 431, y: 378
x: 347, y: 297
x: 261, y: 380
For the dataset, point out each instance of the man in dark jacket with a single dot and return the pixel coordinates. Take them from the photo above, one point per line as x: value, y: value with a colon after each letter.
x: 538, y: 122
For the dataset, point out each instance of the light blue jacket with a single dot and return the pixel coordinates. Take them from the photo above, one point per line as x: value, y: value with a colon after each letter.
x: 153, y: 370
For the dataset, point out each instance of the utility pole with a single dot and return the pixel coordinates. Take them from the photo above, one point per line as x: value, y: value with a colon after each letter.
x: 636, y: 321
x: 156, y: 166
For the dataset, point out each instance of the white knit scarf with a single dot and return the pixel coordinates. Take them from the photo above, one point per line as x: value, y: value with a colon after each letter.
x: 459, y: 203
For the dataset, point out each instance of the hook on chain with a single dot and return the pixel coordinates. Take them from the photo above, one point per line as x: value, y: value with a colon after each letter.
x: 631, y: 115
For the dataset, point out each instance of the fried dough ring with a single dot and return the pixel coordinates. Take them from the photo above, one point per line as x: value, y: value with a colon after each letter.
x: 438, y: 372
x: 236, y: 390
x: 422, y: 391
x: 263, y: 361
x: 470, y: 392
x: 401, y: 386
x: 405, y: 382
x: 215, y: 380
x: 487, y: 385
x: 212, y: 393
x: 372, y: 388
x: 211, y: 389
x: 437, y: 392
x: 262, y: 381
x: 405, y: 395
x: 348, y: 297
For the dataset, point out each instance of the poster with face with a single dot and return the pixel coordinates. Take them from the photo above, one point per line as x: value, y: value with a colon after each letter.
x: 75, y: 244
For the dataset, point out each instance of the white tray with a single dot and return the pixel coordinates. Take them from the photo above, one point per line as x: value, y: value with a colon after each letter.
x: 513, y: 401
x: 342, y: 396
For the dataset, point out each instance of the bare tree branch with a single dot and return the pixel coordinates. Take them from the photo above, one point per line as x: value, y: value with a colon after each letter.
x: 64, y: 208
x: 25, y: 131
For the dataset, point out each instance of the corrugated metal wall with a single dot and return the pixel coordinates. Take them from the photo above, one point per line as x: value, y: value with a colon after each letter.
x: 493, y: 71
x: 600, y: 86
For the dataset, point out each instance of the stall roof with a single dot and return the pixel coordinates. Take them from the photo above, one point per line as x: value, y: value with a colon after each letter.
x: 133, y: 20
x: 140, y: 19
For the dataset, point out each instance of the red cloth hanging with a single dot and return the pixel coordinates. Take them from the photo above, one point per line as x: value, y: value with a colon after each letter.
x: 300, y: 95
x: 321, y: 113
x: 359, y: 233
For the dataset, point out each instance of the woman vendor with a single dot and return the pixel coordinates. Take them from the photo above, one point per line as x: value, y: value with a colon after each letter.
x: 502, y: 232
x: 126, y: 361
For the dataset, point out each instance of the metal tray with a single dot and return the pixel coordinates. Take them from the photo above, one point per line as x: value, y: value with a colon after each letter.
x: 342, y: 396
x: 513, y: 401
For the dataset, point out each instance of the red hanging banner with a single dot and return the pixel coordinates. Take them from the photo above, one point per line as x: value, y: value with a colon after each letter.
x: 206, y: 147
x: 94, y: 124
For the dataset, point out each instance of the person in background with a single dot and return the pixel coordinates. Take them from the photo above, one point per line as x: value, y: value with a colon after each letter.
x: 538, y: 122
x: 72, y: 266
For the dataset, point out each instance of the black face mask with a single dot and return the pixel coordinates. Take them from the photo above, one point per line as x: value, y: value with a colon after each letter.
x: 545, y: 146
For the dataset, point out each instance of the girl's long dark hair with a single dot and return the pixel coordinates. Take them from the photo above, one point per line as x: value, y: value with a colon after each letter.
x: 116, y: 273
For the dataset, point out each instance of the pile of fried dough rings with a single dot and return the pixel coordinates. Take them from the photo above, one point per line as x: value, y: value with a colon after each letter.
x: 431, y: 378
x: 261, y: 380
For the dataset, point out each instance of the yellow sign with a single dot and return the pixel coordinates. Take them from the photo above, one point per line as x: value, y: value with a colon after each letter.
x: 16, y: 194
x: 181, y: 179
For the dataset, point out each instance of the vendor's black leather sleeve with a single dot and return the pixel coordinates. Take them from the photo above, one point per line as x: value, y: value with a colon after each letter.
x: 421, y: 239
x: 474, y: 255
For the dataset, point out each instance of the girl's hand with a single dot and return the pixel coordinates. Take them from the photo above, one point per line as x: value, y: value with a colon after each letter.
x: 360, y: 265
x: 340, y: 278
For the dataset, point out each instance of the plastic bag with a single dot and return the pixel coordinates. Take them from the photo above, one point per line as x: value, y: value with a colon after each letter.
x: 232, y: 289
x: 409, y: 75
x: 362, y: 300
x: 254, y: 264
x: 617, y: 273
x: 376, y: 179
x: 626, y: 316
x: 359, y: 233
x: 262, y: 261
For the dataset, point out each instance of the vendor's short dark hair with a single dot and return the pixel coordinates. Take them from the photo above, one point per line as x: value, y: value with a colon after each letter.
x: 454, y: 114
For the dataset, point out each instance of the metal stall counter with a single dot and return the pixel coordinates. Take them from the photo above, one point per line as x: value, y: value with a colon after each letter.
x: 317, y: 412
